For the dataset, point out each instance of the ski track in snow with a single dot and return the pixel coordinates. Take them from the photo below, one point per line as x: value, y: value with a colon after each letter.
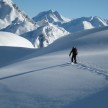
x: 93, y: 69
x: 37, y: 70
x: 79, y: 66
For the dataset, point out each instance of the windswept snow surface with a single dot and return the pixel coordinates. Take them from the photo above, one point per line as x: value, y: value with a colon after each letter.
x: 47, y: 79
x: 13, y: 40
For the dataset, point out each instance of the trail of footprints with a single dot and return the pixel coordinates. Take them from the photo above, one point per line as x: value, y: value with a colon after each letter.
x: 92, y: 69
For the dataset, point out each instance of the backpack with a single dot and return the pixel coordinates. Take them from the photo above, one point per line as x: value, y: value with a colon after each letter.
x: 74, y: 50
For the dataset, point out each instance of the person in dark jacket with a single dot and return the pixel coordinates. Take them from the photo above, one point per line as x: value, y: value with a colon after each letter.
x: 74, y: 54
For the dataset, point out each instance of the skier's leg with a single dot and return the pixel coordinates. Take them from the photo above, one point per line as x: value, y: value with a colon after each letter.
x: 75, y: 59
x: 72, y: 58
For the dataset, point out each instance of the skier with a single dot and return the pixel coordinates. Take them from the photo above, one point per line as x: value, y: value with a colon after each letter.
x: 74, y: 54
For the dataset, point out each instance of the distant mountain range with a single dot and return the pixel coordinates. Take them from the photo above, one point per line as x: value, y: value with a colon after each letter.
x: 84, y: 23
x: 45, y: 27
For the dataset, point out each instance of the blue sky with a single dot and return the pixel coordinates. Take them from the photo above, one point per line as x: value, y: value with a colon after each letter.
x: 67, y: 8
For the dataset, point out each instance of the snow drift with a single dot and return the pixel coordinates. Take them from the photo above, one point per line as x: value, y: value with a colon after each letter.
x: 10, y: 39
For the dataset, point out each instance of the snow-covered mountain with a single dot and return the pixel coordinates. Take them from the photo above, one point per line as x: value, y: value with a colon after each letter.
x: 12, y: 19
x: 51, y: 16
x: 71, y: 25
x: 84, y: 23
x: 10, y: 39
x: 45, y: 35
x: 44, y: 28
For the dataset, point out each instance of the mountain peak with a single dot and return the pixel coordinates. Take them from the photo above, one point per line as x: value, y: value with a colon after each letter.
x: 50, y: 11
x: 51, y: 16
x: 13, y: 19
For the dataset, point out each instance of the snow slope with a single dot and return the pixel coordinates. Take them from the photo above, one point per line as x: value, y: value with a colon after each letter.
x: 46, y: 79
x: 9, y: 55
x: 10, y: 39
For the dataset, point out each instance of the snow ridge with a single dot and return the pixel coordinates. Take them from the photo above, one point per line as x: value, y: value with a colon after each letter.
x: 84, y: 23
x: 45, y: 35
